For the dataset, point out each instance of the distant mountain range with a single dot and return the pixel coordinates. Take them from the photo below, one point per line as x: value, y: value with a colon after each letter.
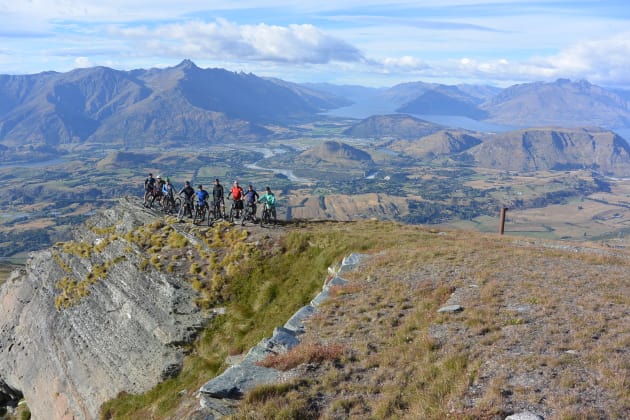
x: 526, y: 150
x: 49, y: 113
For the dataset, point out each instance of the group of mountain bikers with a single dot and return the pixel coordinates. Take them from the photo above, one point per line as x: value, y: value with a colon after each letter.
x: 195, y: 202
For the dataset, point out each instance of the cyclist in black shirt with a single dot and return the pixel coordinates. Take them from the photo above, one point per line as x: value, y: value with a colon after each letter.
x: 149, y: 187
x: 250, y: 197
x: 189, y: 193
x: 218, y: 196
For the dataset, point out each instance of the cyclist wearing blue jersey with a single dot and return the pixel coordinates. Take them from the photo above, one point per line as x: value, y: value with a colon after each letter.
x: 202, y: 196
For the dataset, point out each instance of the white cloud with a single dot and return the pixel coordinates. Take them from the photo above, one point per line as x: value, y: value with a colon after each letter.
x: 595, y: 60
x: 83, y: 62
x: 226, y: 40
x: 406, y: 62
x: 501, y: 40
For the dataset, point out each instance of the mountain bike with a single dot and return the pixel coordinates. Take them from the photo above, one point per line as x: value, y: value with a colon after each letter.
x: 215, y: 211
x: 200, y: 212
x: 171, y: 204
x: 265, y: 218
x: 234, y: 210
x: 249, y: 213
x: 187, y: 207
x: 151, y: 197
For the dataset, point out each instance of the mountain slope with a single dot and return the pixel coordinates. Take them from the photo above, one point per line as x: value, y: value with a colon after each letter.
x: 335, y: 153
x: 429, y: 325
x: 55, y: 109
x: 52, y: 112
x: 442, y: 143
x: 446, y: 102
x: 555, y: 148
x: 562, y: 103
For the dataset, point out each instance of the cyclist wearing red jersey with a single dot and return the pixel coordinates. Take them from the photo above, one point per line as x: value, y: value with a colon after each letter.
x: 236, y: 192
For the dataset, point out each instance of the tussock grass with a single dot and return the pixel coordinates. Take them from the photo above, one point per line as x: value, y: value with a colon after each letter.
x: 304, y: 353
x: 261, y: 282
x: 542, y: 330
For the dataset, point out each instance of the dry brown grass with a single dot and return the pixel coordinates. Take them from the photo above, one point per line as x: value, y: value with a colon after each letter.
x: 544, y: 329
x: 304, y: 353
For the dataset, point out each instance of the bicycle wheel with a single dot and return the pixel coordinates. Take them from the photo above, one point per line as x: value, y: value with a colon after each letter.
x: 177, y: 204
x: 244, y: 215
x: 218, y: 214
x: 268, y: 221
x: 212, y: 215
x: 167, y: 205
x: 147, y: 198
x: 153, y: 198
x: 264, y: 217
x: 198, y: 215
x: 232, y: 214
x: 204, y: 211
x: 181, y: 212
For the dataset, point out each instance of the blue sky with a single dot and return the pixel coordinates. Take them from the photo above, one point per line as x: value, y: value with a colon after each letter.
x: 365, y: 42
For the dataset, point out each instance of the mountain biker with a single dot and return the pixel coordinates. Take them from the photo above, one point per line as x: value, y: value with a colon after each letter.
x: 202, y: 196
x: 149, y: 186
x: 250, y: 198
x: 159, y: 187
x: 168, y: 190
x: 169, y: 195
x: 188, y: 192
x: 237, y: 196
x: 218, y: 195
x: 269, y: 200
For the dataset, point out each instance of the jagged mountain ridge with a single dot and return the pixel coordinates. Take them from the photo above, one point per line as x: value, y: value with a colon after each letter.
x: 560, y: 103
x: 52, y: 111
x: 49, y: 113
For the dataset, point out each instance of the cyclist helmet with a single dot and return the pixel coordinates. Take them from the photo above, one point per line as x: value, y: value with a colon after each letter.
x: 158, y: 177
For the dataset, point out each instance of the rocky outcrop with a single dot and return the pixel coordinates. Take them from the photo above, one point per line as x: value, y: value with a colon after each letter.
x: 67, y: 353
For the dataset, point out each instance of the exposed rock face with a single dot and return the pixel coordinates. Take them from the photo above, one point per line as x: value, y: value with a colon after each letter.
x: 556, y: 149
x: 125, y: 335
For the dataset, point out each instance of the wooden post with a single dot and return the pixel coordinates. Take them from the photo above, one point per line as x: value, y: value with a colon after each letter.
x: 502, y: 220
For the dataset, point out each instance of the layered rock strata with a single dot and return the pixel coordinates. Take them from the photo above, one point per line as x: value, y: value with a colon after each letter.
x: 126, y: 334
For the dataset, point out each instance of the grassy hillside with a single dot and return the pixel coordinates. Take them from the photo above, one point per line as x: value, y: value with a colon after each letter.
x: 542, y: 328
